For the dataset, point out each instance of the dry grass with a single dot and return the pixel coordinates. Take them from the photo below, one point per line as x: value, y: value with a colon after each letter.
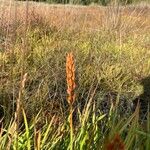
x: 77, y: 17
x: 111, y: 50
x: 107, y: 41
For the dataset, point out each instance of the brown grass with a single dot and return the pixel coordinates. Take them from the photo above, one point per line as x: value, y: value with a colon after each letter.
x: 92, y: 22
x: 76, y: 17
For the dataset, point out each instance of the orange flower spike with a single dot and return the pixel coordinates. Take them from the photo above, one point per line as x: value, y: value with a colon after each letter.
x: 70, y: 72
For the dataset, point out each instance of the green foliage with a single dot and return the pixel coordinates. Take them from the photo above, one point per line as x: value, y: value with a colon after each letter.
x: 90, y: 133
x: 87, y: 2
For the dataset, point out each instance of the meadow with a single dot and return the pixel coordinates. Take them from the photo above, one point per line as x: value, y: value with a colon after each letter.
x: 69, y: 76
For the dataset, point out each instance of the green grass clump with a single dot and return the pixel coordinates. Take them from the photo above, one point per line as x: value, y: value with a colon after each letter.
x: 92, y: 132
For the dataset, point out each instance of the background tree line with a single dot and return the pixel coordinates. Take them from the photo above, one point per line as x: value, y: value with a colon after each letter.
x: 87, y: 2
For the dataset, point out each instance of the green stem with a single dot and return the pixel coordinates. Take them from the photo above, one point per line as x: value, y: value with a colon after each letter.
x: 71, y: 128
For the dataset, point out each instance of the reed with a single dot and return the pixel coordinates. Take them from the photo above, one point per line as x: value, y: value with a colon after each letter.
x: 70, y: 73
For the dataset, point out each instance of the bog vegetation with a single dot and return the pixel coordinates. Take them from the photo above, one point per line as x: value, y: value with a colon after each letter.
x: 71, y: 77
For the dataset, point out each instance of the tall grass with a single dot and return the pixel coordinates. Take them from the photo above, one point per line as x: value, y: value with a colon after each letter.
x: 111, y: 50
x: 89, y: 134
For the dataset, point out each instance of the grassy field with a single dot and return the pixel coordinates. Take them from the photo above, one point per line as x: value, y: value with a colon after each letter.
x: 69, y: 76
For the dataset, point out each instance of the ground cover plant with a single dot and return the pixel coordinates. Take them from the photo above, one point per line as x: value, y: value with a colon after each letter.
x: 71, y: 76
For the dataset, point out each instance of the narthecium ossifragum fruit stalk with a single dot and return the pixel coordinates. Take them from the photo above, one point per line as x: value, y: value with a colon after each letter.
x: 70, y: 73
